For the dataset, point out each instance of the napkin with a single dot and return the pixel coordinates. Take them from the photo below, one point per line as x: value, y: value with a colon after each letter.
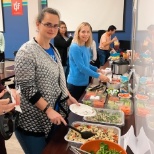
x: 17, y: 107
x: 129, y: 139
x: 140, y: 144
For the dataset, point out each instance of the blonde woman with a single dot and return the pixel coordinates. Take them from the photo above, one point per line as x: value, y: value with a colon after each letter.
x: 79, y: 60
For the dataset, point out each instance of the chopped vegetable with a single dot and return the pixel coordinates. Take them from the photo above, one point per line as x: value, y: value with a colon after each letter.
x: 124, y: 95
x: 87, y: 102
x: 142, y: 111
x: 114, y: 98
x: 106, y: 116
x: 126, y: 109
x: 98, y: 103
x: 126, y: 106
x: 104, y: 149
x: 112, y: 91
x: 101, y: 133
x: 142, y: 97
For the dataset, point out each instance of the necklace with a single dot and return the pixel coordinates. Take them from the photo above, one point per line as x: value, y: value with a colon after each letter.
x: 40, y: 45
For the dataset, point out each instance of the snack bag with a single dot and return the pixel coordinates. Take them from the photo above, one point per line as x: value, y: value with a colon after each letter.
x: 124, y: 84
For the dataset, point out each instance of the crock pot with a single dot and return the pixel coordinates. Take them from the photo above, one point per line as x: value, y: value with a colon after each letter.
x: 120, y: 67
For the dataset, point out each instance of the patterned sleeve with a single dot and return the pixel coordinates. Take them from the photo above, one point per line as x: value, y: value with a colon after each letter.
x: 25, y: 75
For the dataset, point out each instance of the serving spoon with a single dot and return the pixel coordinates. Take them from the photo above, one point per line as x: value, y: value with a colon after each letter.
x: 84, y: 134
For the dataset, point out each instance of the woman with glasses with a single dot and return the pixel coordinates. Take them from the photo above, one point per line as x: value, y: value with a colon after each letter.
x: 79, y: 60
x: 39, y: 73
x: 62, y: 42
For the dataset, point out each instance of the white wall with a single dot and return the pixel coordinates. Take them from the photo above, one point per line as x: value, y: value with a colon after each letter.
x: 145, y: 15
x: 34, y: 7
x: 1, y: 17
x: 99, y: 13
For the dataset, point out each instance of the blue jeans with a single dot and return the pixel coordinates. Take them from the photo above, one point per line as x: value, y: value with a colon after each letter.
x: 31, y: 144
x: 103, y: 56
x: 76, y: 91
x: 67, y: 69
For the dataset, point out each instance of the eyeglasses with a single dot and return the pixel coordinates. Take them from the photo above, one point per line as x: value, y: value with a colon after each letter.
x: 63, y: 27
x: 49, y: 25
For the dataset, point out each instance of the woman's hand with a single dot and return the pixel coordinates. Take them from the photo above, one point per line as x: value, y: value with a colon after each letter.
x: 55, y: 117
x: 72, y: 100
x: 103, y: 78
x: 5, y: 106
x: 99, y: 70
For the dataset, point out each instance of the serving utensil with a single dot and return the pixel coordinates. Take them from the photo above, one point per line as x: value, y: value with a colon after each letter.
x: 77, y: 150
x: 84, y: 134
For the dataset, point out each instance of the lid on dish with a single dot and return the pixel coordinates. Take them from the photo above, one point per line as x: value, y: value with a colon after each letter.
x: 121, y: 62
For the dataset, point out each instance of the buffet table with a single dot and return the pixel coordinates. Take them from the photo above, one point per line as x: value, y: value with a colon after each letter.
x: 8, y: 73
x: 57, y: 144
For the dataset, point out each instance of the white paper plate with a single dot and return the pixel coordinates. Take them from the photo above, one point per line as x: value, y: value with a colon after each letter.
x: 82, y: 110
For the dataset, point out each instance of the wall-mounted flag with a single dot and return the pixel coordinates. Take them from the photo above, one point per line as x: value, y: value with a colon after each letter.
x: 17, y: 7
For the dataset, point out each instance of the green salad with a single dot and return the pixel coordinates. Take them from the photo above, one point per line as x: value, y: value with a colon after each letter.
x: 106, y: 116
x: 104, y: 149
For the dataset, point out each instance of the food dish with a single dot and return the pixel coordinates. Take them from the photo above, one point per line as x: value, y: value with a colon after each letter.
x: 141, y: 97
x: 95, y: 146
x: 113, y: 85
x: 82, y: 110
x: 106, y: 132
x: 126, y: 106
x: 107, y: 116
x: 124, y: 95
x: 141, y: 109
x: 150, y: 121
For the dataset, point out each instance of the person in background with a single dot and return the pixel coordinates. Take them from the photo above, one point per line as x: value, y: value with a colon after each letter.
x: 44, y: 95
x: 62, y: 42
x: 94, y: 58
x: 93, y: 53
x: 5, y: 107
x: 79, y: 60
x: 104, y: 45
x: 2, y: 47
x: 148, y: 44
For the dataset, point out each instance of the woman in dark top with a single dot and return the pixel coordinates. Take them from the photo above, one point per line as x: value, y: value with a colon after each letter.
x: 62, y: 42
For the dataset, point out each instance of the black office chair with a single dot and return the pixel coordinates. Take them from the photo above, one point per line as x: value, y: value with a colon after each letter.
x: 15, y: 52
x: 100, y: 33
x: 125, y: 45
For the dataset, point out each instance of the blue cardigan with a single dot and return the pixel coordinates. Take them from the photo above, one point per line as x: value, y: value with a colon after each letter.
x: 80, y: 68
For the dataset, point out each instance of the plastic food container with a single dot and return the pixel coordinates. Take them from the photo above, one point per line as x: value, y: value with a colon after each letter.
x: 107, y: 116
x: 126, y: 106
x: 113, y: 85
x: 104, y: 132
x: 113, y: 103
x: 123, y: 104
x: 91, y: 95
x: 150, y: 121
x: 94, y: 99
x: 95, y: 103
x: 141, y: 108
